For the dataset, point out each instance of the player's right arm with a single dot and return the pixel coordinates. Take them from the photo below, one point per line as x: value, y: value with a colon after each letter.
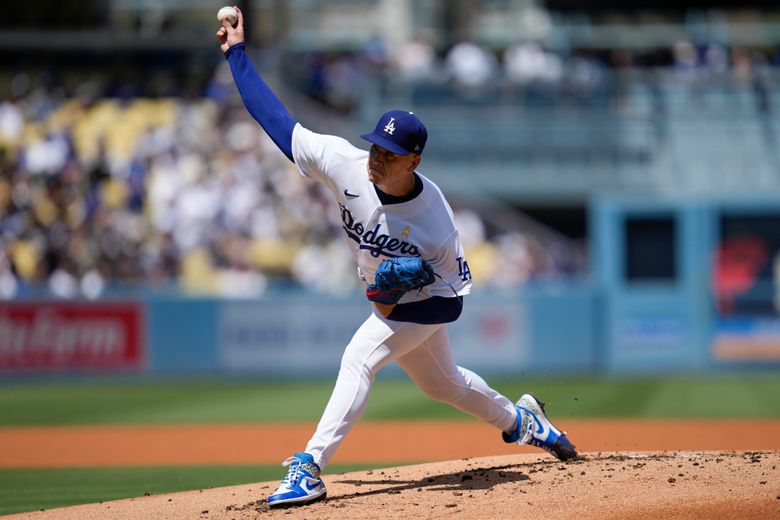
x: 259, y: 99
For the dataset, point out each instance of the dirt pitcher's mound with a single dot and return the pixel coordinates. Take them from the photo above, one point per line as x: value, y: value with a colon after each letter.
x: 669, y: 485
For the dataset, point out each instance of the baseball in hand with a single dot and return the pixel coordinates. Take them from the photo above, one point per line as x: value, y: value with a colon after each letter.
x: 228, y: 13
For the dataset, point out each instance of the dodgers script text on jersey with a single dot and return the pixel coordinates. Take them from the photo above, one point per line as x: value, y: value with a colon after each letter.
x: 374, y: 241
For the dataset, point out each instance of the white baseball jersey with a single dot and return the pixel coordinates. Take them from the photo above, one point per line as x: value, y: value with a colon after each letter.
x: 421, y: 227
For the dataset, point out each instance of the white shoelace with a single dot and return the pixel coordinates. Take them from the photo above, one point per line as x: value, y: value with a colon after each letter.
x: 292, y: 474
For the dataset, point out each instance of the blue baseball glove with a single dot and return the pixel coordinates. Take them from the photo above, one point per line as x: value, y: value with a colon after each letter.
x: 397, y: 276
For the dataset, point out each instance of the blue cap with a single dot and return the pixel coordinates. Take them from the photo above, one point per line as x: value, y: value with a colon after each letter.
x: 400, y: 132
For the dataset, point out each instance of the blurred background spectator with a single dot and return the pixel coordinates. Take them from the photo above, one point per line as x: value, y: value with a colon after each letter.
x: 137, y: 167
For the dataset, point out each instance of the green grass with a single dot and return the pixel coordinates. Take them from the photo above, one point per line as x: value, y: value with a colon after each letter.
x: 670, y: 397
x: 214, y: 401
x: 755, y: 396
x: 33, y: 489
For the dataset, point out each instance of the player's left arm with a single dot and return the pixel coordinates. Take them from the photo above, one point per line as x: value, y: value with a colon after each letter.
x: 449, y: 265
x: 451, y: 268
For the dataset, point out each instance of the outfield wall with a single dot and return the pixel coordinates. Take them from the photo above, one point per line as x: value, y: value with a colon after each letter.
x: 299, y: 334
x: 293, y: 333
x: 542, y: 330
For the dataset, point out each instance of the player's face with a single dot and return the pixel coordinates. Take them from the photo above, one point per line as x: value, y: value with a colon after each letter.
x: 386, y: 167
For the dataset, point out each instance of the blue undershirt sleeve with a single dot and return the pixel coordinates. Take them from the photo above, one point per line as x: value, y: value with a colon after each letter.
x: 260, y: 100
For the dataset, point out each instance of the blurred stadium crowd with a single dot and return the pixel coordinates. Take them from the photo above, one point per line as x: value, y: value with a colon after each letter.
x: 104, y: 194
x: 526, y: 70
x: 100, y: 193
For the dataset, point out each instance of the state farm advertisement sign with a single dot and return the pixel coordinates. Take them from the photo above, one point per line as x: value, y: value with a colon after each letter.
x: 65, y: 336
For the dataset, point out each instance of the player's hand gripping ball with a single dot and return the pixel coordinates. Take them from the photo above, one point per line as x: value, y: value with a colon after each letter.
x: 397, y: 276
x: 229, y: 14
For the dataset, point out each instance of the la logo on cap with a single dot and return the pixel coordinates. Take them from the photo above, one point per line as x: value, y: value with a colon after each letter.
x: 399, y: 132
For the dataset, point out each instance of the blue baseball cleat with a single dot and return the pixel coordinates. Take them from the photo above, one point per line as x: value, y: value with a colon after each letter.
x: 534, y: 428
x: 302, y: 484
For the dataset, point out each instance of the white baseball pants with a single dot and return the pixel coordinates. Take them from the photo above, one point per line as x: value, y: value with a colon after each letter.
x: 424, y: 352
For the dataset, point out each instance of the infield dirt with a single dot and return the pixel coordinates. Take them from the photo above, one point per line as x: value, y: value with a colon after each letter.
x: 669, y: 485
x: 623, y: 472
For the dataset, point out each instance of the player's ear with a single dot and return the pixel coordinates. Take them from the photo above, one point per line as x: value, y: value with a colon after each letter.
x: 415, y: 162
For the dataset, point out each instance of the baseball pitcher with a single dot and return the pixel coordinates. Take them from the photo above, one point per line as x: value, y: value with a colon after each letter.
x: 401, y: 232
